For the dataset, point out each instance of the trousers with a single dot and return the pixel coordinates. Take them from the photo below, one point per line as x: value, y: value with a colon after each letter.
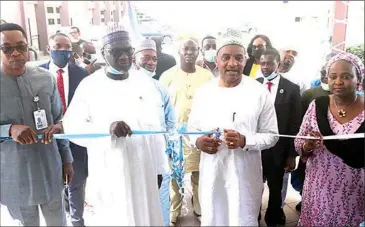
x: 176, y: 197
x: 53, y: 213
x: 75, y: 191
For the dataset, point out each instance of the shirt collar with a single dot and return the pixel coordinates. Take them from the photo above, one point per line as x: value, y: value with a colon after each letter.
x: 54, y: 68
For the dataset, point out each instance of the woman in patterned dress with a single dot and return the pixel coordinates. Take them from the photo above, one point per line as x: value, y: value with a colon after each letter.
x: 333, y: 193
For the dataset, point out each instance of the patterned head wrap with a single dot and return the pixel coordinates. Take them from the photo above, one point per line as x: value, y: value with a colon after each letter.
x: 147, y: 44
x: 115, y: 32
x: 353, y: 59
x: 231, y: 36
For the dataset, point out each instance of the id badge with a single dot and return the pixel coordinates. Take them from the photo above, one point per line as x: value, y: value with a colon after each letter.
x: 40, y: 119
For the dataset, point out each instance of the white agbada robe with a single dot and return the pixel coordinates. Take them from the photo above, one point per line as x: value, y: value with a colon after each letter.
x: 158, y: 143
x: 231, y: 185
x: 122, y: 182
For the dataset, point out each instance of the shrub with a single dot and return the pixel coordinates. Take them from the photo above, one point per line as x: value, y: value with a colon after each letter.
x: 357, y: 50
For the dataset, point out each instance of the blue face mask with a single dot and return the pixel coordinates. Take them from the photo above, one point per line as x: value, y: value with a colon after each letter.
x: 113, y: 71
x: 271, y: 76
x: 61, y: 57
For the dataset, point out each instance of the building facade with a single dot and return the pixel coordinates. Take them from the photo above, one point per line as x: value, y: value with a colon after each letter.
x: 41, y: 19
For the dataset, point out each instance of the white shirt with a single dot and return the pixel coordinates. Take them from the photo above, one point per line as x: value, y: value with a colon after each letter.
x: 274, y: 87
x: 53, y: 69
x: 229, y: 179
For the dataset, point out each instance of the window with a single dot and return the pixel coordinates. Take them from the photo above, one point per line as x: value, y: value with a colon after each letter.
x: 49, y: 9
x: 102, y: 12
x: 102, y: 20
x: 50, y: 21
x: 57, y: 9
x: 58, y: 21
x: 298, y: 19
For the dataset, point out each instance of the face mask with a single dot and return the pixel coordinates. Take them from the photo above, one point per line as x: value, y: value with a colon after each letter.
x: 325, y: 87
x: 79, y: 61
x: 148, y: 73
x: 271, y: 76
x: 61, y: 57
x: 209, y: 55
x: 257, y: 53
x: 113, y: 71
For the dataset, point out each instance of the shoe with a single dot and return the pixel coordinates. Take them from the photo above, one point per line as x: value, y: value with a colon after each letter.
x: 173, y: 221
x: 298, y: 207
x: 282, y: 219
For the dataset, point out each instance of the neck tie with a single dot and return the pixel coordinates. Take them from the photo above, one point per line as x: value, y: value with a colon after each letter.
x: 61, y: 89
x: 269, y: 84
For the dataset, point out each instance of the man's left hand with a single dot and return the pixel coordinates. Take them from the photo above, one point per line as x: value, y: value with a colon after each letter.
x: 50, y: 131
x: 234, y: 139
x: 290, y: 164
x: 68, y: 173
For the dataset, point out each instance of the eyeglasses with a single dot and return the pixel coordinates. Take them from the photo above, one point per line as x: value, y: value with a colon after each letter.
x: 260, y: 46
x: 21, y: 48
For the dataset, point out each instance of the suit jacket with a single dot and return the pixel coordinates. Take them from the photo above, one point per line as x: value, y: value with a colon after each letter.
x: 248, y: 66
x: 76, y: 75
x: 288, y: 112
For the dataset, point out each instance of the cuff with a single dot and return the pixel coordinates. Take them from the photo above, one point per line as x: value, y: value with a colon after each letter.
x: 5, y: 130
x: 250, y: 142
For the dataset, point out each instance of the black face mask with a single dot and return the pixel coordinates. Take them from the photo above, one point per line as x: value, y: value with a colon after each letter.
x: 257, y: 53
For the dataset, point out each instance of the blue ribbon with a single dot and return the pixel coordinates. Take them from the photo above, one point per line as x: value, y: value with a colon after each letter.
x: 174, y: 145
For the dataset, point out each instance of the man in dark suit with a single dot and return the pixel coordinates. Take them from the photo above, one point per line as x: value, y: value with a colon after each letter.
x: 281, y: 158
x: 164, y: 61
x: 68, y: 77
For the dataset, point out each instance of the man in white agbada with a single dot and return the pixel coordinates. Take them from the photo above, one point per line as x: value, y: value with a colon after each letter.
x: 121, y: 168
x: 145, y: 60
x: 230, y: 186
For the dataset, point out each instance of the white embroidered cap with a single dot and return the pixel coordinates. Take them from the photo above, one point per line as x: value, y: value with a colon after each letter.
x: 147, y: 44
x: 231, y: 36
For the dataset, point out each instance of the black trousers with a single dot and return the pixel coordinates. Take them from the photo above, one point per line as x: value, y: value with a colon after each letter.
x: 273, y: 173
x: 301, y: 173
x: 159, y: 180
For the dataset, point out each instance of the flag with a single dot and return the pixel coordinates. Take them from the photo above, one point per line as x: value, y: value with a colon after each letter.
x: 131, y: 23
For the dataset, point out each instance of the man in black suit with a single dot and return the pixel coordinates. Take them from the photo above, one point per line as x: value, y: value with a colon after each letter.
x: 68, y: 77
x: 281, y: 158
x: 164, y: 61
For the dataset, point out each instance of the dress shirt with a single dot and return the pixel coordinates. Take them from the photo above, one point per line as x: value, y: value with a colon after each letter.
x: 274, y: 86
x: 53, y: 69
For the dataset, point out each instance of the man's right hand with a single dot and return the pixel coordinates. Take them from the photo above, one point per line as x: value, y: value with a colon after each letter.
x: 23, y: 134
x: 120, y: 129
x: 208, y: 144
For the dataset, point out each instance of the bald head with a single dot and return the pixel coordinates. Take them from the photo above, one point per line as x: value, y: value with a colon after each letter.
x: 88, y: 48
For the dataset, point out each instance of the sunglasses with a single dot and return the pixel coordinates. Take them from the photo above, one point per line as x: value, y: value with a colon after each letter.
x: 21, y: 48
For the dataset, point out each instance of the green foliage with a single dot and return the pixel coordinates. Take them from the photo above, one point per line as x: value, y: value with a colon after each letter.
x: 357, y: 50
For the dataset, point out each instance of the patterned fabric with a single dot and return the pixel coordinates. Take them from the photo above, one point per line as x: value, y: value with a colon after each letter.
x: 333, y: 192
x: 231, y: 36
x: 353, y: 59
x: 147, y: 44
x: 61, y: 89
x: 115, y: 32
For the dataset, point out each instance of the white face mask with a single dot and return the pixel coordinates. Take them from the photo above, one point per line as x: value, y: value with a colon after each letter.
x: 209, y: 55
x: 146, y: 72
x: 325, y: 86
x: 80, y: 62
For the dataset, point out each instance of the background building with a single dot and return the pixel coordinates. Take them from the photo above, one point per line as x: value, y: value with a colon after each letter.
x: 41, y: 19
